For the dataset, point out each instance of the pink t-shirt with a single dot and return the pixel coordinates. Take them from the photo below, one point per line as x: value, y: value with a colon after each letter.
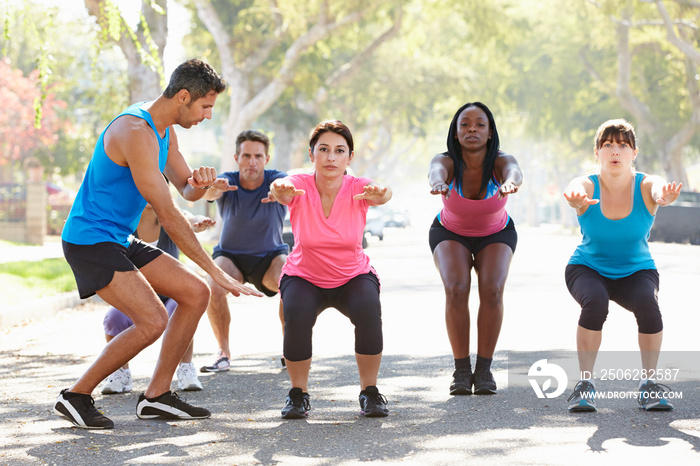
x: 475, y: 218
x: 327, y: 251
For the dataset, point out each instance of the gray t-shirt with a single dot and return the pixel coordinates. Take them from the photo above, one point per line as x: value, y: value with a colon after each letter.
x: 250, y: 226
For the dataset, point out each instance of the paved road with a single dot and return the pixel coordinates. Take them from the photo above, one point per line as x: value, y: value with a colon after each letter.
x: 426, y: 425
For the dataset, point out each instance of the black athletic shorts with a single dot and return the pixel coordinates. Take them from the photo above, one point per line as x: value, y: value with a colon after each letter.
x: 253, y: 268
x: 94, y: 264
x: 438, y: 233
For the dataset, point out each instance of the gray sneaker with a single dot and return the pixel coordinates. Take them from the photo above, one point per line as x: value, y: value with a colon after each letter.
x: 583, y: 397
x: 297, y: 405
x: 221, y: 364
x: 652, y: 398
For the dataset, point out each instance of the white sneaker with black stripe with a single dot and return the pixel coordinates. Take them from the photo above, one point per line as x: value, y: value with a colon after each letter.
x: 168, y: 406
x: 80, y: 409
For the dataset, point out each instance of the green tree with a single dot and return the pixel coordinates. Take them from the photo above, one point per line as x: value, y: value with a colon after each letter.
x: 260, y: 46
x: 143, y: 47
x: 656, y: 80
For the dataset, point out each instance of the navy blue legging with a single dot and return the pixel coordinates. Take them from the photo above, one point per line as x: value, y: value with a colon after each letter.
x: 637, y: 293
x: 358, y: 300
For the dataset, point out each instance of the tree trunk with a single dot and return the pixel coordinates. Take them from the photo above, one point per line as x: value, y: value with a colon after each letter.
x: 145, y: 81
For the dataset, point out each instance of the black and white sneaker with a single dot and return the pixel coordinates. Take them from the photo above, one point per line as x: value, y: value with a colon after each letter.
x: 168, y: 406
x: 372, y: 403
x: 297, y: 405
x: 80, y: 410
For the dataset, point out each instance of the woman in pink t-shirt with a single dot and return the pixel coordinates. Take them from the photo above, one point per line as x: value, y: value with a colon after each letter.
x: 328, y: 266
x: 473, y: 231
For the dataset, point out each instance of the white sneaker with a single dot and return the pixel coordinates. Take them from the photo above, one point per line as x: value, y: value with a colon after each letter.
x: 187, y: 378
x: 118, y: 382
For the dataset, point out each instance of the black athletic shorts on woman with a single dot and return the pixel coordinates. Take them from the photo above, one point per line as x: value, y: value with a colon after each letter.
x: 94, y: 264
x: 638, y: 293
x: 438, y: 233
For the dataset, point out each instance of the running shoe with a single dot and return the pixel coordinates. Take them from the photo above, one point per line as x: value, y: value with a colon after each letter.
x: 297, y: 406
x: 583, y: 397
x: 187, y: 378
x: 652, y: 397
x: 462, y: 380
x: 168, y: 406
x: 373, y: 403
x: 221, y: 364
x: 484, y: 383
x: 118, y: 382
x: 80, y: 410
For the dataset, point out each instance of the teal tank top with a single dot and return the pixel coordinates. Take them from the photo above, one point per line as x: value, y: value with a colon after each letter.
x: 615, y: 248
x: 108, y: 205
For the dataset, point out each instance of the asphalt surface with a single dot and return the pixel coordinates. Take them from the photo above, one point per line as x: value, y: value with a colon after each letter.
x: 426, y: 425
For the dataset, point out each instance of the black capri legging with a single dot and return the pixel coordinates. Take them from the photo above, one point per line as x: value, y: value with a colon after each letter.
x: 637, y: 293
x: 357, y: 300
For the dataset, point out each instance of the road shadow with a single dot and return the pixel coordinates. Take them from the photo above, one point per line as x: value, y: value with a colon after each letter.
x: 426, y: 425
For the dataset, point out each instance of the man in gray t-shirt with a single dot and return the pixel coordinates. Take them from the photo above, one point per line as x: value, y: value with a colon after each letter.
x: 250, y: 248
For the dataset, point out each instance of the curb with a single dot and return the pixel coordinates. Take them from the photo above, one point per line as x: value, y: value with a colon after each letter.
x: 41, y: 308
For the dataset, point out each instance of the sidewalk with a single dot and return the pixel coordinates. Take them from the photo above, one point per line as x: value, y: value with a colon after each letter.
x: 32, y: 308
x: 52, y: 248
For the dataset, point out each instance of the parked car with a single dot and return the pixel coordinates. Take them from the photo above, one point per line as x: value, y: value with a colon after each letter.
x: 678, y: 222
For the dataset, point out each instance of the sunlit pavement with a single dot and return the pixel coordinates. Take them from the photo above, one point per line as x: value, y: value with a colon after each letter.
x: 426, y: 425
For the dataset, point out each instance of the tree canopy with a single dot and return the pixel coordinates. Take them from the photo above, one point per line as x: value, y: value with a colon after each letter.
x: 394, y: 70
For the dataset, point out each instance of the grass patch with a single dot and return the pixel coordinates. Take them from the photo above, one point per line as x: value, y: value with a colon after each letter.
x: 24, y: 280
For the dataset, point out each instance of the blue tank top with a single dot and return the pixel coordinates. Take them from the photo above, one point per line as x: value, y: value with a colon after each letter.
x: 250, y: 226
x: 108, y: 205
x: 615, y: 248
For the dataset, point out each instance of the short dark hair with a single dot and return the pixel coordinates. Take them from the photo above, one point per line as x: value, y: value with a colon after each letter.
x: 618, y: 130
x: 331, y: 126
x: 454, y: 149
x: 252, y: 135
x: 196, y: 77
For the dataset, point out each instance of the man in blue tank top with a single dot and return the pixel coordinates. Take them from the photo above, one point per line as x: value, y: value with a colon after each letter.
x: 125, y: 172
x: 250, y: 248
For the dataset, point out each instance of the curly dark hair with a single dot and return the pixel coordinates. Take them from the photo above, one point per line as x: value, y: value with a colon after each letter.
x: 197, y: 77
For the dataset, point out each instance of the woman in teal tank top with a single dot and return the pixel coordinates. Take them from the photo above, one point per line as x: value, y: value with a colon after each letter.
x: 615, y: 210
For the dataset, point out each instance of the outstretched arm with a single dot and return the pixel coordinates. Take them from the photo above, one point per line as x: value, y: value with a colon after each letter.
x: 218, y: 188
x: 283, y: 191
x: 664, y: 193
x: 374, y: 194
x: 440, y: 174
x: 510, y: 173
x: 199, y: 223
x: 578, y: 194
x: 133, y: 144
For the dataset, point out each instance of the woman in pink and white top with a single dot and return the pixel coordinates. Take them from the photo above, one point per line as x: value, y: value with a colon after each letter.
x: 328, y: 266
x: 473, y: 231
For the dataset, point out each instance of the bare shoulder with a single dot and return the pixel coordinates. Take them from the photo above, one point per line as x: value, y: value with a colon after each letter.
x: 126, y: 135
x: 649, y: 180
x: 504, y: 158
x: 443, y: 159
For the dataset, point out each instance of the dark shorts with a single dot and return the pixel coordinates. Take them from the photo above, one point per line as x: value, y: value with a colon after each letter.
x: 358, y: 300
x: 638, y: 293
x: 438, y: 233
x: 94, y: 264
x: 253, y: 268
